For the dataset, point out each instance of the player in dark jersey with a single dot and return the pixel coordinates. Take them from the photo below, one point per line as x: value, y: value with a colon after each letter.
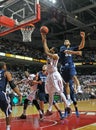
x: 67, y: 69
x: 43, y: 97
x: 5, y: 105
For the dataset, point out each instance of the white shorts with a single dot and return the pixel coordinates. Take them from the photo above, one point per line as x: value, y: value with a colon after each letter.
x: 54, y: 83
x: 32, y: 95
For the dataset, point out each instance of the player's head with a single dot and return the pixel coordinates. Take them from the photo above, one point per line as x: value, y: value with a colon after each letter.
x: 53, y: 50
x: 44, y: 68
x: 67, y: 43
x: 3, y: 65
x: 26, y: 74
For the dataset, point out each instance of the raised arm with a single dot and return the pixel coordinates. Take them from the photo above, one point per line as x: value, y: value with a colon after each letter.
x: 44, y: 41
x: 46, y: 49
x: 82, y: 44
x: 73, y: 52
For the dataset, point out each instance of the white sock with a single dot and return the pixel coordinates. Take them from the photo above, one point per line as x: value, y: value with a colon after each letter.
x: 50, y: 102
x: 50, y: 108
x: 8, y: 127
x: 64, y: 99
x: 40, y: 112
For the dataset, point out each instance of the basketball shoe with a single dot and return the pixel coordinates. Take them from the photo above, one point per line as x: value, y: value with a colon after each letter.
x: 23, y: 116
x: 48, y: 113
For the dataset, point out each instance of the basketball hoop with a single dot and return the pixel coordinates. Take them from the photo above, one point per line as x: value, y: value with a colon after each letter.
x: 27, y: 32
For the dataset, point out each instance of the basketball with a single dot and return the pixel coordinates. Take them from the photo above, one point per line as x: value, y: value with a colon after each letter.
x: 44, y: 30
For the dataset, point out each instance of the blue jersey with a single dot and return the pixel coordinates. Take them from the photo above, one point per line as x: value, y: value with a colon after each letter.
x: 3, y: 81
x: 66, y: 59
x: 41, y: 77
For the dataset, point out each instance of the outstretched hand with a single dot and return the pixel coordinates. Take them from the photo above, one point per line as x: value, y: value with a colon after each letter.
x: 82, y: 34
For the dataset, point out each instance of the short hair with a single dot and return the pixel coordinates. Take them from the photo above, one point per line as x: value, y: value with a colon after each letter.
x: 2, y: 65
x: 55, y: 49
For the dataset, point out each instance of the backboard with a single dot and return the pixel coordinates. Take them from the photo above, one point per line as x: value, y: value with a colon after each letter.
x: 20, y: 12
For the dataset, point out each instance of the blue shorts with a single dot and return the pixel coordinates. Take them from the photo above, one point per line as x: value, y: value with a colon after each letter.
x: 5, y: 103
x: 43, y: 96
x: 67, y: 73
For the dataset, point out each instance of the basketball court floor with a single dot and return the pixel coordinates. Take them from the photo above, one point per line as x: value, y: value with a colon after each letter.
x: 86, y: 121
x: 15, y: 15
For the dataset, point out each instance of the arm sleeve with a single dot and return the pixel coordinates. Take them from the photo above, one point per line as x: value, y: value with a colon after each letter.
x: 12, y: 85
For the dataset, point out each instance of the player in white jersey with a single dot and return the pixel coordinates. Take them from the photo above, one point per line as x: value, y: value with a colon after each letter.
x: 32, y: 82
x: 54, y: 82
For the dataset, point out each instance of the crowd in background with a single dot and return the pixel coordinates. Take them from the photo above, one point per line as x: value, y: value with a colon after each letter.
x: 21, y: 49
x: 85, y: 81
x: 28, y: 50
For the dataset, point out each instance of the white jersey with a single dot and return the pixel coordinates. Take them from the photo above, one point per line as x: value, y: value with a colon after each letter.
x: 33, y: 87
x: 30, y: 78
x: 51, y: 64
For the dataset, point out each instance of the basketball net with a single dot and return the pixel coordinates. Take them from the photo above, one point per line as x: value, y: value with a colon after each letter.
x: 27, y: 32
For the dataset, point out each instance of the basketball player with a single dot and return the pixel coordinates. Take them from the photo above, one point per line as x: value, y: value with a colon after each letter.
x: 54, y: 81
x: 67, y: 69
x: 43, y: 97
x: 5, y: 105
x: 32, y: 82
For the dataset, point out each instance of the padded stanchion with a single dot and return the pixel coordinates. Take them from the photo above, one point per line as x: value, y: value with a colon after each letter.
x: 8, y: 22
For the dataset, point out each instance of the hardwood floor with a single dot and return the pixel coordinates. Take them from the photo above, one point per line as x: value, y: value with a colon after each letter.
x: 89, y: 105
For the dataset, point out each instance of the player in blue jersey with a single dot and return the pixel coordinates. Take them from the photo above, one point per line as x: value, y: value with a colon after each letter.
x: 43, y: 97
x: 68, y: 70
x: 5, y: 105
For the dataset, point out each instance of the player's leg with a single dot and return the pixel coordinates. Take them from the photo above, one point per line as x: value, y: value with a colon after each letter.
x: 73, y: 97
x: 23, y: 116
x: 35, y: 102
x: 49, y: 110
x: 58, y: 109
x: 77, y: 83
x: 42, y: 99
x: 58, y: 84
x: 67, y: 89
x: 6, y: 108
x: 8, y: 122
x: 75, y: 79
x: 65, y: 73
